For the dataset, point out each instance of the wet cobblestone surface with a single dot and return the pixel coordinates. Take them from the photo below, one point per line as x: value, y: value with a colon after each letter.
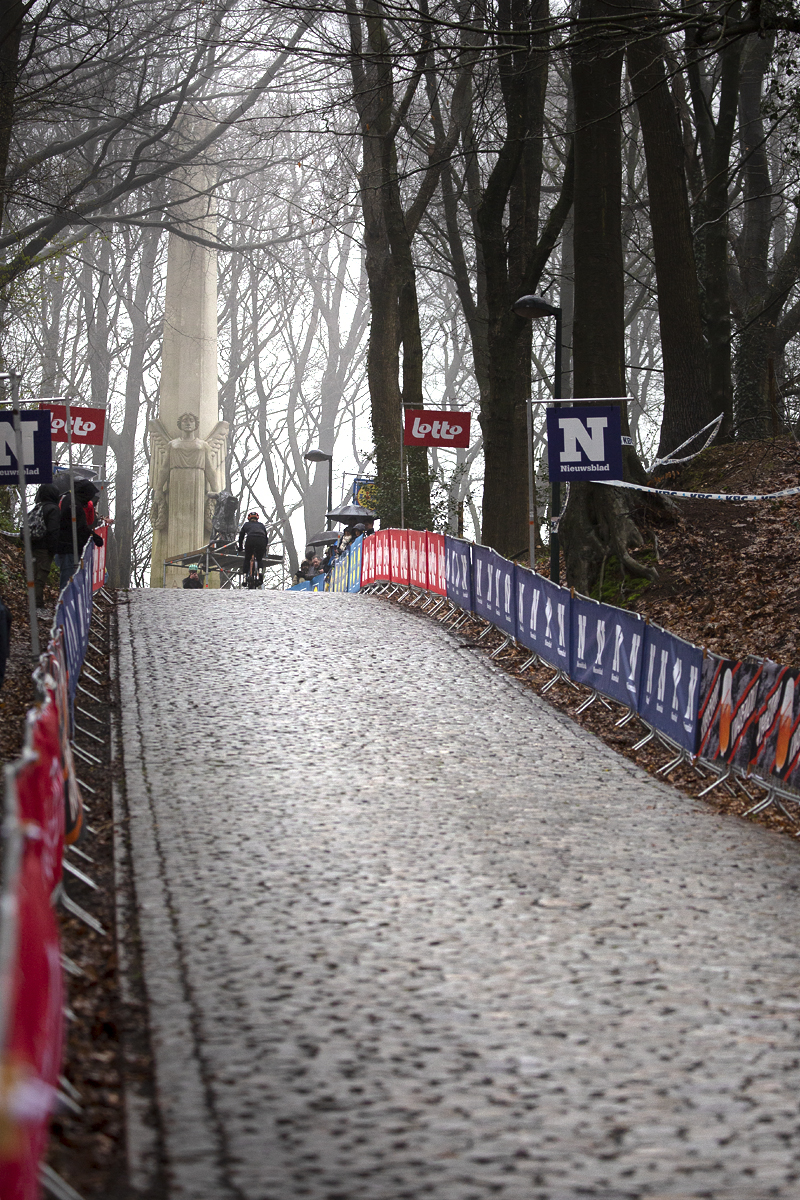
x: 408, y: 932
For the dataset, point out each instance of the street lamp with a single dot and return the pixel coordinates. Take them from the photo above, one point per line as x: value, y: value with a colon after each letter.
x: 534, y: 308
x: 318, y: 456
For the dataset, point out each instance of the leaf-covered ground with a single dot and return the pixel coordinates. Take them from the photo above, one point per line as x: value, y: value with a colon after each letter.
x: 729, y: 573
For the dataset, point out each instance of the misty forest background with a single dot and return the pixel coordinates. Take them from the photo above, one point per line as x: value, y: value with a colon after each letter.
x: 387, y: 179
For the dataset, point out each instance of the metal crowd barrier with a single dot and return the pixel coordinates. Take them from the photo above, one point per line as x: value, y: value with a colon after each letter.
x: 735, y: 722
x: 43, y: 814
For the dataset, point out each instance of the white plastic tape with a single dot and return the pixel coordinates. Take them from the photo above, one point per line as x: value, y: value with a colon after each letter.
x: 640, y: 487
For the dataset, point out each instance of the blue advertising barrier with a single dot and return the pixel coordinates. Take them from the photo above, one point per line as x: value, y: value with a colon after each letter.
x: 607, y: 649
x: 493, y: 588
x: 354, y: 553
x: 481, y: 562
x: 543, y: 617
x: 458, y: 571
x: 669, y: 691
x: 73, y: 614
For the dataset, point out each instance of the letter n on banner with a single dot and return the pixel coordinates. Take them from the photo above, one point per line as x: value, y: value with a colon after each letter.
x: 504, y: 600
x: 607, y: 649
x: 544, y: 617
x: 671, y: 686
x: 458, y: 572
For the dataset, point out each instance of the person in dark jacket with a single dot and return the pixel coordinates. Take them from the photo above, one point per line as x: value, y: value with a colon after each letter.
x: 253, y: 544
x: 193, y: 580
x: 85, y: 491
x: 44, y: 547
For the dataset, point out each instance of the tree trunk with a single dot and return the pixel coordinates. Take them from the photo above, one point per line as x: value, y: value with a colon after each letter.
x: 711, y: 222
x: 687, y: 399
x: 123, y: 443
x: 760, y: 309
x: 598, y: 520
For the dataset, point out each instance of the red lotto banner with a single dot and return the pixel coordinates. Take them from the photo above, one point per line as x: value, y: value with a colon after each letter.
x: 88, y: 424
x: 445, y: 429
x: 33, y: 987
x: 417, y: 559
x: 437, y: 581
x: 398, y: 547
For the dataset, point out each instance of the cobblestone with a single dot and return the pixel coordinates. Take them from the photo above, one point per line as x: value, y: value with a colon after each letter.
x: 408, y: 932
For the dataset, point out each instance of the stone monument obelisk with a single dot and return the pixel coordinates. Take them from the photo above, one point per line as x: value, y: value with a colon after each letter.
x: 187, y: 441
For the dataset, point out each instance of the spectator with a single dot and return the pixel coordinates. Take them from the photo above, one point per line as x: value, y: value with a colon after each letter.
x: 193, y: 580
x: 45, y: 524
x: 310, y: 567
x: 349, y: 535
x: 85, y: 491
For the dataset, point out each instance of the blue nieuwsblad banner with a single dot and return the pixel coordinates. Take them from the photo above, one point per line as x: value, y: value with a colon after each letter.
x: 37, y: 449
x: 317, y: 584
x: 543, y: 617
x: 458, y: 572
x: 481, y: 561
x: 669, y: 691
x: 501, y: 597
x: 607, y: 649
x: 493, y: 588
x: 74, y: 613
x: 584, y: 442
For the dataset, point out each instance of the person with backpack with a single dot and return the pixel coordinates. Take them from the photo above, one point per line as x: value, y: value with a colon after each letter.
x: 85, y: 492
x: 44, y: 526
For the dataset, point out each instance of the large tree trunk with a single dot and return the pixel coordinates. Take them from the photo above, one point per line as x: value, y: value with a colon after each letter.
x: 123, y: 443
x: 11, y: 19
x: 598, y: 521
x: 759, y: 305
x: 687, y: 399
x: 715, y: 130
x: 514, y: 188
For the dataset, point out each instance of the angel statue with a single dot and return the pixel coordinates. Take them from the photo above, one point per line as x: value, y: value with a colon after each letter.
x: 185, y: 469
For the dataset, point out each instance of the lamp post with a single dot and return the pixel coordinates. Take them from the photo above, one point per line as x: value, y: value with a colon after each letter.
x: 534, y: 308
x: 318, y: 456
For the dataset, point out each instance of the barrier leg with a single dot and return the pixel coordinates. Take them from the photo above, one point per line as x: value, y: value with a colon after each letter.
x: 560, y: 676
x: 502, y: 646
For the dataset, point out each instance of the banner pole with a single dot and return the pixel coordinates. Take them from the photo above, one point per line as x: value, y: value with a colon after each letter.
x: 14, y: 379
x: 531, y: 492
x: 72, y: 491
x: 402, y: 466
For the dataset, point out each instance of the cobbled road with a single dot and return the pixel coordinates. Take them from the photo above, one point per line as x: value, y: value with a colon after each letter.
x: 408, y: 932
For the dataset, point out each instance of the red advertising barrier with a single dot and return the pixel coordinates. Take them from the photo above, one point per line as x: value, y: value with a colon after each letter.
x: 398, y: 546
x: 32, y: 987
x: 99, y: 565
x: 367, y: 562
x: 417, y: 559
x: 382, y: 568
x: 437, y: 581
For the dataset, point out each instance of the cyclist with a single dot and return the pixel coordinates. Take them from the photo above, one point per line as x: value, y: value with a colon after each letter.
x: 253, y: 544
